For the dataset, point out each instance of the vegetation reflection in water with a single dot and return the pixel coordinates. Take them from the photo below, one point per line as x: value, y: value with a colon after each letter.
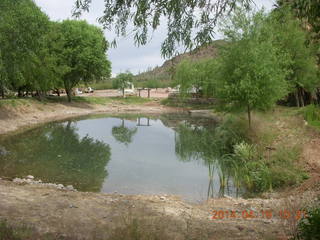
x: 174, y: 154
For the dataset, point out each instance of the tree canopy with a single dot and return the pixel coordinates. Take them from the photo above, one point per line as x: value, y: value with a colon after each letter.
x: 251, y: 73
x: 189, y: 22
x: 82, y: 53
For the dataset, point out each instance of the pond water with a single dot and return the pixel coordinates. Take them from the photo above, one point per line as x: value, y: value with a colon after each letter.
x: 168, y: 154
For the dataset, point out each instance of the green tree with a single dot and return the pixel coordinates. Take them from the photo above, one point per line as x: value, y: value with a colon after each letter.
x: 291, y: 40
x: 198, y: 75
x: 123, y: 80
x: 81, y: 53
x: 251, y: 74
x: 22, y: 29
x: 189, y: 22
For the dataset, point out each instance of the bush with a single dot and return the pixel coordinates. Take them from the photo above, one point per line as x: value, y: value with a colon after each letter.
x: 309, y: 227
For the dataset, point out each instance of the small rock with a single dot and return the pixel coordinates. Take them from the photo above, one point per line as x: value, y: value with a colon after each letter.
x: 60, y: 186
x: 30, y: 177
x: 70, y: 187
x: 73, y: 206
x: 162, y: 198
x: 240, y: 228
x: 59, y: 156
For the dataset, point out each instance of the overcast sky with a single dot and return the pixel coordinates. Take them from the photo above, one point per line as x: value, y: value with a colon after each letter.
x: 126, y: 56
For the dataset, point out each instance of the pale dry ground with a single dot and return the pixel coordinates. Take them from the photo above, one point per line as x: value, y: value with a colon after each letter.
x: 22, y: 116
x: 80, y: 215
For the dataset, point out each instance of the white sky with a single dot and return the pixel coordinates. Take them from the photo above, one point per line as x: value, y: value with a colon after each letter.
x: 126, y: 56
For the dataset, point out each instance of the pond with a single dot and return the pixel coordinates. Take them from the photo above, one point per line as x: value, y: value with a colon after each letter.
x: 168, y: 154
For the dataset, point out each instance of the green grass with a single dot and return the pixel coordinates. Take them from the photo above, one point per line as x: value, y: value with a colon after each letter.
x: 260, y: 168
x: 15, y: 102
x: 183, y: 103
x: 102, y: 85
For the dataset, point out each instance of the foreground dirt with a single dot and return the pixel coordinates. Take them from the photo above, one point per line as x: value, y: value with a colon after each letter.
x: 23, y: 116
x: 79, y: 215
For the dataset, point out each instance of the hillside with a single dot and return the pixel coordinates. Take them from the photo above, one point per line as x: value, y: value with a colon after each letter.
x: 164, y: 72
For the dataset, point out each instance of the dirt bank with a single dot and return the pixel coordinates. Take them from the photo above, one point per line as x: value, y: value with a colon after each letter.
x: 80, y: 215
x: 33, y: 112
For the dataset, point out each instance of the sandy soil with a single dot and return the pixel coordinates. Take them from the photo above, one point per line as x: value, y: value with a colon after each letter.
x: 80, y: 215
x: 22, y: 116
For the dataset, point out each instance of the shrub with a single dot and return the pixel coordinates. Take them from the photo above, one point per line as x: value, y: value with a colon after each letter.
x: 309, y: 227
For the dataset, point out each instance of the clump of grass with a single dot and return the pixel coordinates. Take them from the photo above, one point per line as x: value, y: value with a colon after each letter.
x: 187, y: 103
x: 312, y: 115
x: 131, y: 100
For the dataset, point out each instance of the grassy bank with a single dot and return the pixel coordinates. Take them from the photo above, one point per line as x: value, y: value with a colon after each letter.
x: 15, y: 102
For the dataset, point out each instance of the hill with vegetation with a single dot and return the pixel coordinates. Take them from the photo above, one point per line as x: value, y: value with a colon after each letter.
x: 163, y: 75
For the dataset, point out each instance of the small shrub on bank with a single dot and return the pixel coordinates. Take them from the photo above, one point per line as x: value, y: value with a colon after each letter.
x: 309, y: 227
x: 312, y: 115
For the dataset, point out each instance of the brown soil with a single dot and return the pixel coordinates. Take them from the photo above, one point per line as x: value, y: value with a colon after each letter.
x: 80, y: 215
x: 22, y: 116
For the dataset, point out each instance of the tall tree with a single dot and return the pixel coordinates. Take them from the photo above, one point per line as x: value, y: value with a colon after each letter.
x: 251, y: 74
x: 123, y: 80
x: 22, y: 27
x: 291, y: 39
x: 82, y: 53
x: 189, y: 22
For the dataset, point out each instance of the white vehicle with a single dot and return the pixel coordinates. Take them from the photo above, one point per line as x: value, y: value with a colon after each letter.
x: 77, y: 91
x: 130, y: 90
x: 89, y: 90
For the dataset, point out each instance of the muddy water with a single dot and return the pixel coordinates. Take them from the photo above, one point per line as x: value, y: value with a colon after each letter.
x: 168, y: 154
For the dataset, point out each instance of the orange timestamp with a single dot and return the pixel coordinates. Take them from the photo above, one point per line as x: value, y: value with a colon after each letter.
x: 250, y: 214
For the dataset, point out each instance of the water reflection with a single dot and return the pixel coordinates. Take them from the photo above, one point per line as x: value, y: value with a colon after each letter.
x: 199, y: 141
x: 123, y: 134
x: 57, y: 154
x: 169, y: 154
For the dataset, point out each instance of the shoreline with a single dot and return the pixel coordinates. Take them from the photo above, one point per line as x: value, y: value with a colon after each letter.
x: 18, y: 119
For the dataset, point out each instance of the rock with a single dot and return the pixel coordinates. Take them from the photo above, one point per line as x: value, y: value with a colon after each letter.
x: 70, y: 187
x: 60, y: 186
x: 30, y: 177
x: 3, y: 151
x: 162, y: 198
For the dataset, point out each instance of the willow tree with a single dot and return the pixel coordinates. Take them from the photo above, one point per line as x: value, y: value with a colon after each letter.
x: 291, y: 39
x: 189, y: 22
x: 22, y: 29
x: 251, y: 74
x: 198, y: 75
x: 81, y: 51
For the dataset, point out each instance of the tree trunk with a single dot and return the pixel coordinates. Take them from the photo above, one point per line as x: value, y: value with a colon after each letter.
x: 69, y: 93
x: 19, y: 93
x: 296, y: 94
x: 249, y: 116
x: 123, y: 92
x: 301, y: 97
x: 2, y: 93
